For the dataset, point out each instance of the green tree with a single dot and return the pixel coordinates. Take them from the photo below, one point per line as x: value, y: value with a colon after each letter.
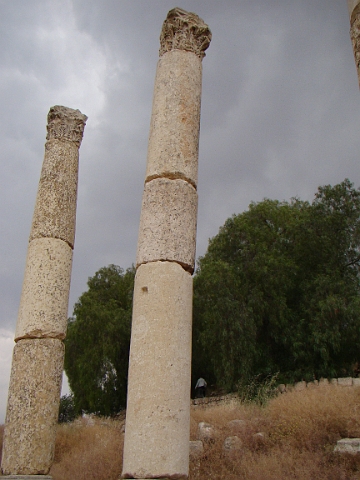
x: 278, y: 290
x: 97, y: 342
x: 66, y: 409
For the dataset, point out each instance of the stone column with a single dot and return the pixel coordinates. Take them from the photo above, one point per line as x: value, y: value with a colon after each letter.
x: 38, y: 357
x: 158, y: 407
x: 354, y: 14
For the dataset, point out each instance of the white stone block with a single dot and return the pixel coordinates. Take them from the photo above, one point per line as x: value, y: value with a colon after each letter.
x: 167, y: 229
x: 158, y: 404
x: 232, y: 443
x: 33, y: 407
x: 205, y: 432
x: 348, y: 445
x: 45, y: 294
x: 345, y: 382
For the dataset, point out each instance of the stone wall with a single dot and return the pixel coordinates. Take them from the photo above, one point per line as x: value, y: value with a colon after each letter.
x: 232, y: 398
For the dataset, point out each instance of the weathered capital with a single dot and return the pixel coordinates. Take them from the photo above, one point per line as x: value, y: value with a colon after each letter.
x: 352, y: 4
x: 354, y: 13
x: 184, y: 30
x: 65, y: 124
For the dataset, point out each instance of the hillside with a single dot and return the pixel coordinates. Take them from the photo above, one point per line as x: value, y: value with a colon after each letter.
x: 293, y: 436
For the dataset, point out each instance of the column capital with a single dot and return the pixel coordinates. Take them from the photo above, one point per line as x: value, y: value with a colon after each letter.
x: 65, y: 124
x: 184, y: 30
x: 352, y: 4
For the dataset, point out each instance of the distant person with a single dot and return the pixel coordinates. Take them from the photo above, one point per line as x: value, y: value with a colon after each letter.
x: 200, y: 388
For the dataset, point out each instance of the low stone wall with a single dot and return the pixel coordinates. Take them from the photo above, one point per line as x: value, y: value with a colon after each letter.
x: 323, y: 382
x: 216, y: 400
x: 231, y: 398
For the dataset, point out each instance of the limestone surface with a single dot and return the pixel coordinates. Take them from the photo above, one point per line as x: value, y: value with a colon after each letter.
x: 205, y: 432
x: 158, y: 404
x: 45, y: 293
x: 32, y: 409
x: 351, y: 5
x: 167, y: 229
x: 232, y: 443
x: 345, y: 382
x: 175, y: 121
x: 55, y: 209
x: 184, y: 30
x: 354, y: 13
x: 348, y: 445
x: 66, y: 124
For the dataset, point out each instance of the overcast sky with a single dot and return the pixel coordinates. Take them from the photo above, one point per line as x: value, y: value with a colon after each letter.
x: 280, y: 116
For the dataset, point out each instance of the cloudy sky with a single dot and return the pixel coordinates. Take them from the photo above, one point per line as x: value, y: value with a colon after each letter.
x: 280, y: 116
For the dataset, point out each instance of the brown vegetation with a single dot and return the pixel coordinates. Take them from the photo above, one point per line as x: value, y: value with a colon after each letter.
x: 299, y: 431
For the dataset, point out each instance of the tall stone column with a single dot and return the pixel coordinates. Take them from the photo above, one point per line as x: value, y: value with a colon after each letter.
x: 38, y: 357
x: 354, y: 13
x: 158, y: 407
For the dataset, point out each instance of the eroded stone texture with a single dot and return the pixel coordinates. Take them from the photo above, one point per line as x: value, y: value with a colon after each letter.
x: 65, y: 124
x: 55, y: 209
x: 184, y: 30
x: 354, y: 13
x: 158, y: 404
x: 175, y: 121
x: 32, y: 410
x: 168, y: 223
x: 351, y: 6
x: 45, y: 293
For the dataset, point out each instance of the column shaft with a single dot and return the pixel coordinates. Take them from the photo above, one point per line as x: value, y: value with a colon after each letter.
x: 157, y: 416
x: 38, y: 358
x: 158, y: 407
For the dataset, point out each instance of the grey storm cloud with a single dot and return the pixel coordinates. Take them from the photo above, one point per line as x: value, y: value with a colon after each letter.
x: 280, y: 116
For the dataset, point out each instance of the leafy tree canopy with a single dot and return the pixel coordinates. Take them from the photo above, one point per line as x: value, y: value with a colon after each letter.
x: 278, y: 291
x: 97, y: 342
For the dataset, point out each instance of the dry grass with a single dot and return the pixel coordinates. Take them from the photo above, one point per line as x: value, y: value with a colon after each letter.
x: 299, y: 431
x: 88, y: 450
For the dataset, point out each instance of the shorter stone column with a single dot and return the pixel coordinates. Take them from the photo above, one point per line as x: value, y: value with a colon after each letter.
x: 38, y: 357
x: 354, y: 14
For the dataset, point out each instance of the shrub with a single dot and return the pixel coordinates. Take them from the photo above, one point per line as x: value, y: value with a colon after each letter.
x: 258, y: 390
x: 67, y: 409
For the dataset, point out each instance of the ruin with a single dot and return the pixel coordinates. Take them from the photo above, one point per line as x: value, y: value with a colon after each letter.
x: 158, y: 405
x: 38, y: 356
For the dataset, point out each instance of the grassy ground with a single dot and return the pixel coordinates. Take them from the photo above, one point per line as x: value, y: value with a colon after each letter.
x: 299, y: 431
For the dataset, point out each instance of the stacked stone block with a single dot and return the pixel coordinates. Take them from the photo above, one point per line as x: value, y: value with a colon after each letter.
x: 38, y: 357
x: 158, y: 408
x: 354, y: 14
